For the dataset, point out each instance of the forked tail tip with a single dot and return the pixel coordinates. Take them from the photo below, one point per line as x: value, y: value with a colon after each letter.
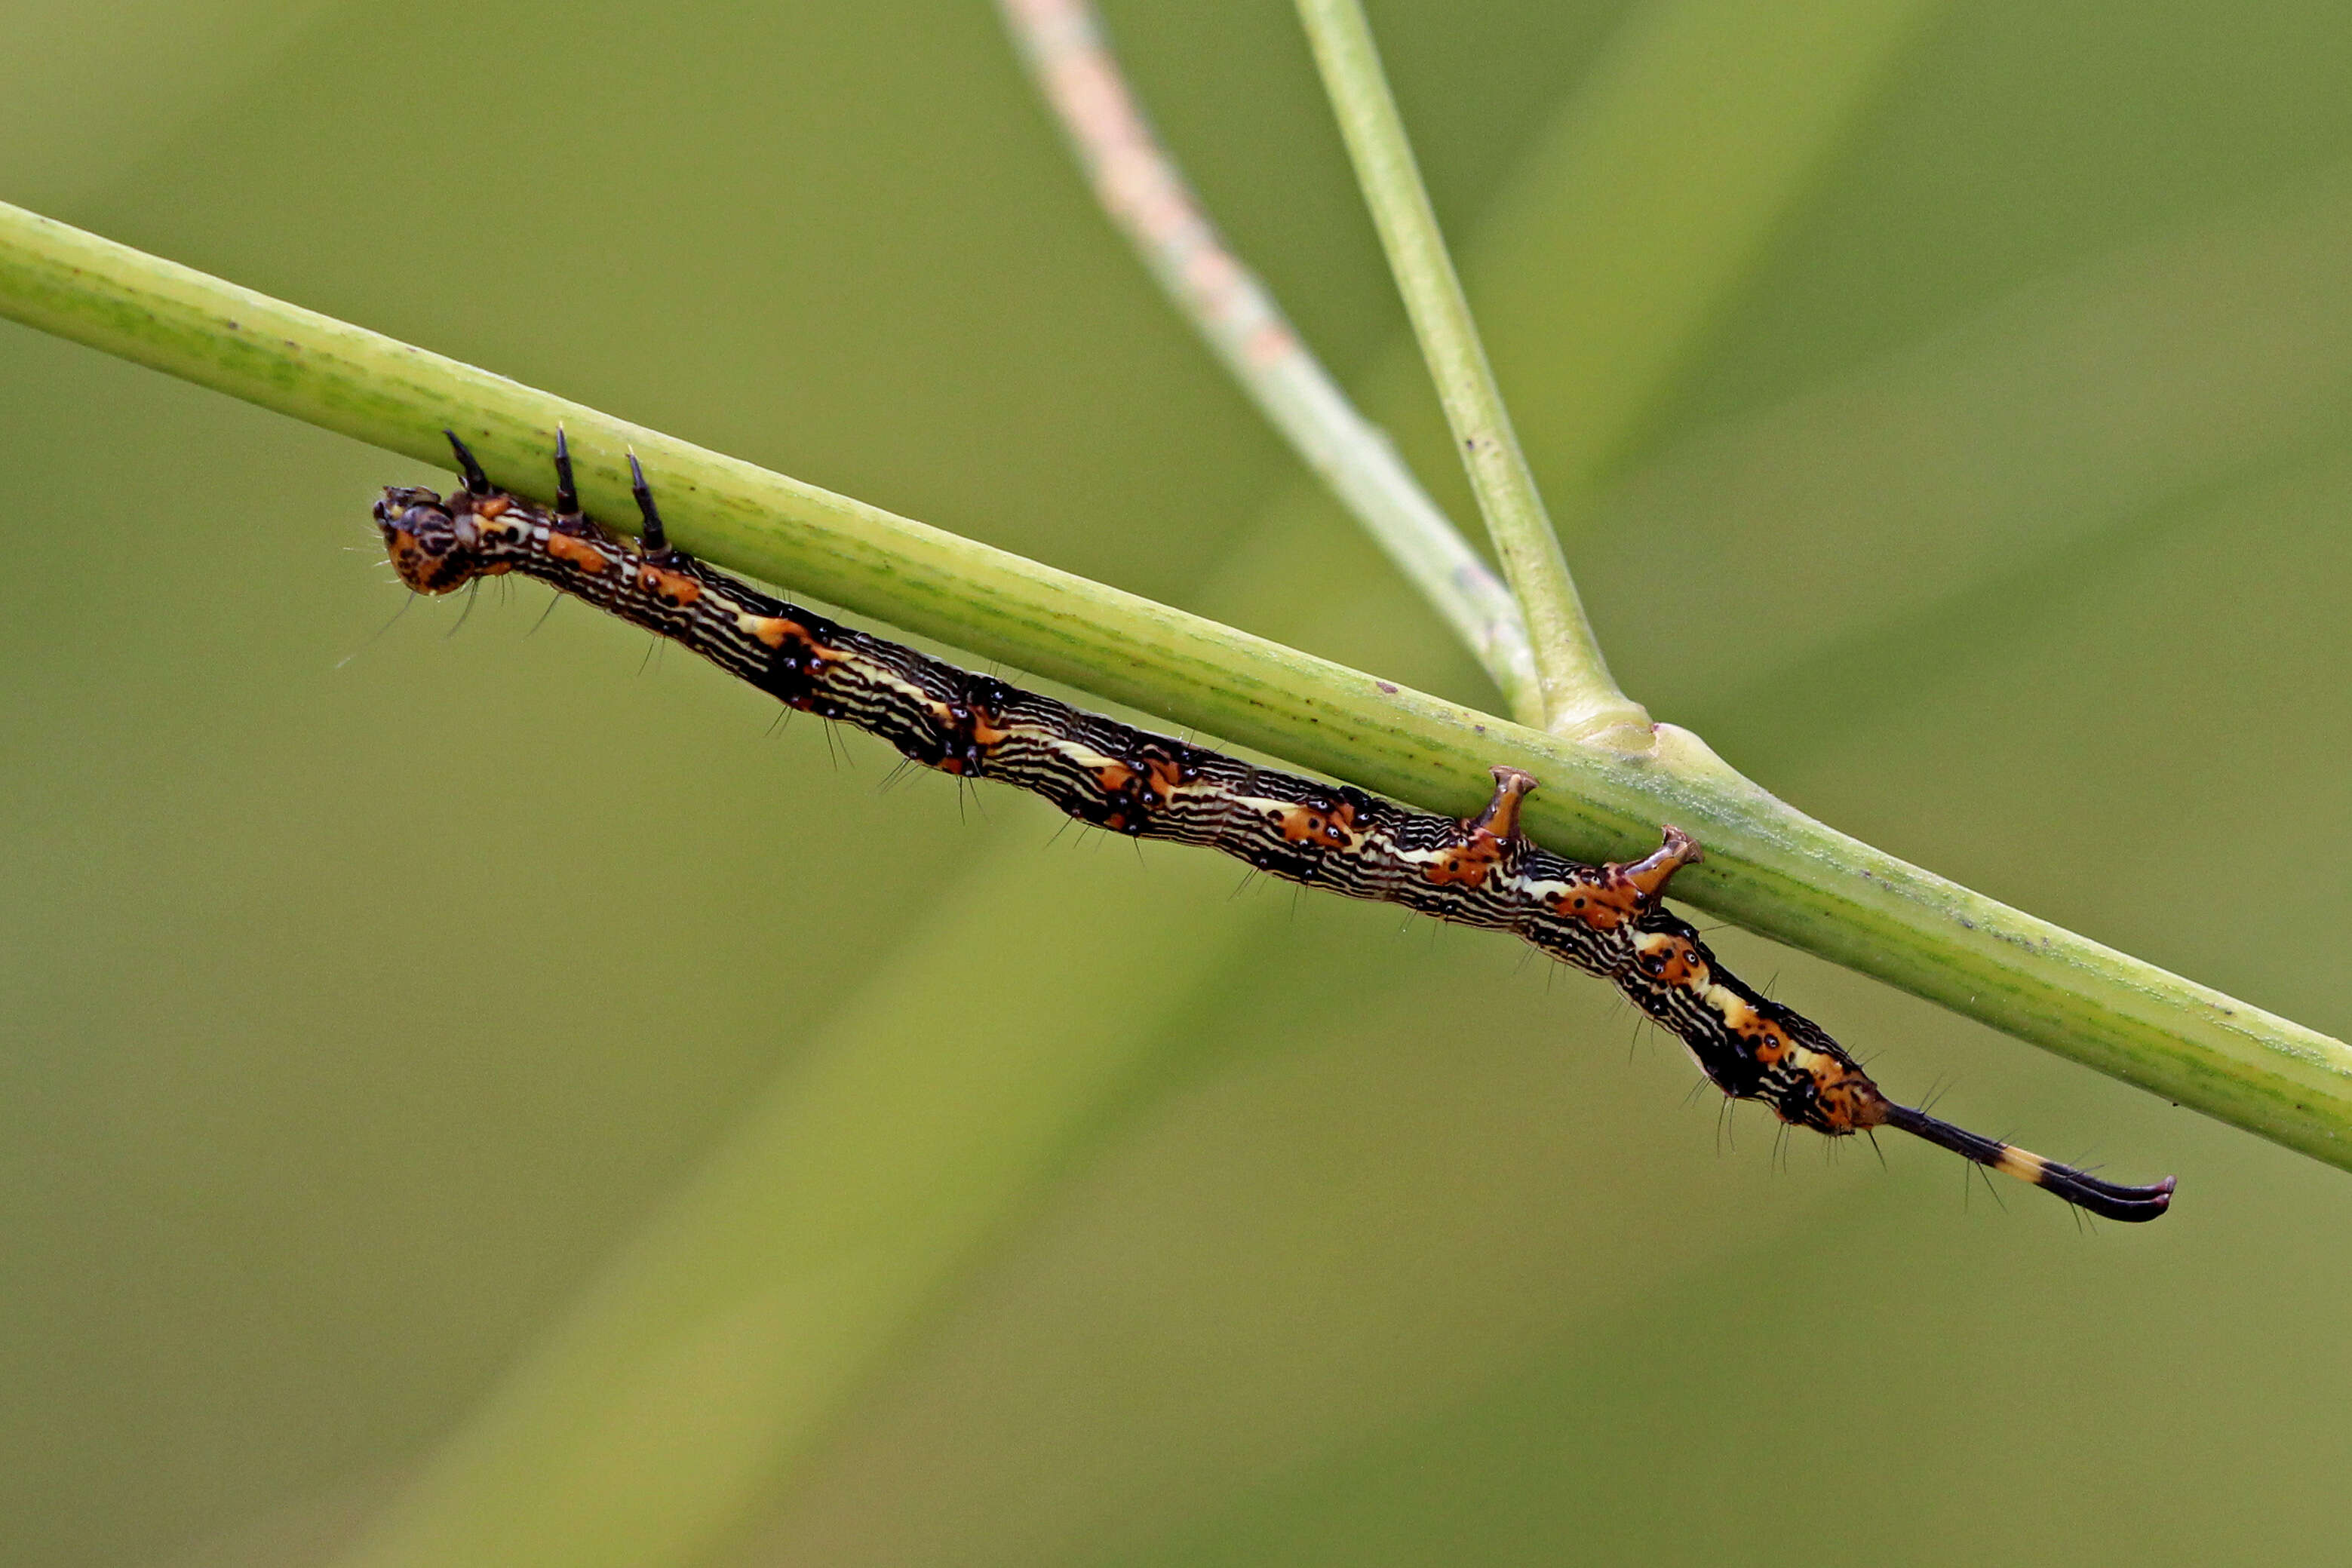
x: 2109, y: 1200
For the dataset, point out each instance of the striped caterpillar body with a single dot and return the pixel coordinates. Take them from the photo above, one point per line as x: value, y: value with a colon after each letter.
x: 1607, y: 920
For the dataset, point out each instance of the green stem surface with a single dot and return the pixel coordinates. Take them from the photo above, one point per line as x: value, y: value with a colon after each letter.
x: 1769, y: 867
x: 1147, y: 196
x: 1580, y: 697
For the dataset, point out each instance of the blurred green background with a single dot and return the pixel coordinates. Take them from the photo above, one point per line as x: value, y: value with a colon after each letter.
x: 380, y: 1008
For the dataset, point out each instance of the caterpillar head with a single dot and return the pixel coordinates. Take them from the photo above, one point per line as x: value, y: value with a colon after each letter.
x: 435, y: 548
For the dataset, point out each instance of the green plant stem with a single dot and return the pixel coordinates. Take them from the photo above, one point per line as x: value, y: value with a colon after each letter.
x: 1769, y: 868
x: 1581, y: 698
x: 1146, y: 194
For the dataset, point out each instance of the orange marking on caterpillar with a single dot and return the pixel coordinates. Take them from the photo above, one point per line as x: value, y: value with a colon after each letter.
x: 674, y: 588
x: 1850, y: 1101
x: 776, y: 630
x: 410, y: 559
x: 986, y: 734
x: 571, y: 549
x: 1605, y: 897
x: 1165, y: 774
x: 1148, y: 789
x: 1467, y: 865
x: 1308, y: 824
x: 980, y: 733
x: 1766, y: 1041
x: 1670, y: 961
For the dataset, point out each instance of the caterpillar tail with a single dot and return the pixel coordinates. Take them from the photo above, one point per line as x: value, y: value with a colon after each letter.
x: 2108, y: 1199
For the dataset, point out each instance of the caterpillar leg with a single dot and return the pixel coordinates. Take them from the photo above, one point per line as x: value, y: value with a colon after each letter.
x: 2079, y: 1188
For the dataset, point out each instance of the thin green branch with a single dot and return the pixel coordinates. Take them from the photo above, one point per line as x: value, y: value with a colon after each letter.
x: 1146, y: 194
x: 1580, y: 697
x: 1769, y: 867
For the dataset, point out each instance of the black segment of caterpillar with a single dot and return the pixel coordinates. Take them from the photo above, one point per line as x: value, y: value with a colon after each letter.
x: 1607, y: 920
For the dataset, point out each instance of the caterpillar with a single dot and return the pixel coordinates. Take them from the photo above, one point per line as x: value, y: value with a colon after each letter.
x: 1609, y: 921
